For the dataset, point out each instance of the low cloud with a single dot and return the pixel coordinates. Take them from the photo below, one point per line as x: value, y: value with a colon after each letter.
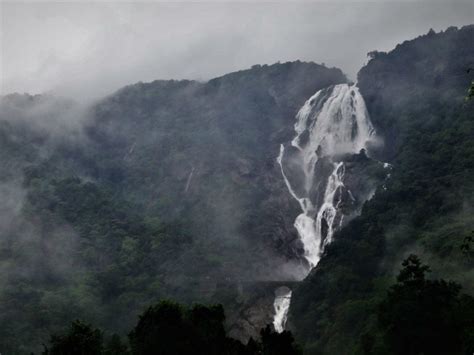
x: 48, y: 47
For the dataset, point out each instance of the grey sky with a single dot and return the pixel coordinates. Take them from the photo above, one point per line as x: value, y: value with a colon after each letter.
x: 91, y: 49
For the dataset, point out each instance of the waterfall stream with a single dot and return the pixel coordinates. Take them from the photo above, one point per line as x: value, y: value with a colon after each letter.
x: 281, y: 306
x: 334, y: 122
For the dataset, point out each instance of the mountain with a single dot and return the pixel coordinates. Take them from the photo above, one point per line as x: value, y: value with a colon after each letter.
x: 169, y: 189
x: 205, y: 152
x: 283, y: 192
x: 415, y: 96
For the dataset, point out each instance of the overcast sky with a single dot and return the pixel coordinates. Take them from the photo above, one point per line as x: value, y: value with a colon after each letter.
x: 91, y: 49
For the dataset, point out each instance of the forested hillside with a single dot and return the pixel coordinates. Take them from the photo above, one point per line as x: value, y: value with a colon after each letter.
x: 205, y: 153
x: 162, y: 190
x: 173, y: 190
x: 416, y: 97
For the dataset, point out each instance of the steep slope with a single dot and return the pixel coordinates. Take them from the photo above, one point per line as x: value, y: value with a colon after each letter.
x: 173, y: 189
x: 204, y: 153
x: 327, y: 170
x: 169, y: 189
x: 415, y: 98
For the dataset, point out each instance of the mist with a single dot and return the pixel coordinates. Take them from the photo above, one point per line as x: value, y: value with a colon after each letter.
x: 120, y: 189
x: 88, y: 50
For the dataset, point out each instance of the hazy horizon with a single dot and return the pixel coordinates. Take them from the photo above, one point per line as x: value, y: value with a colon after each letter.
x: 87, y: 50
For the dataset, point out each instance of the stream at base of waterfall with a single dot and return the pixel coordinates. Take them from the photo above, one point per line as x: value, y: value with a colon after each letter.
x: 331, y: 124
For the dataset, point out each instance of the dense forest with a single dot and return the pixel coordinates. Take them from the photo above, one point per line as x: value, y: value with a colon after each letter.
x: 169, y: 328
x: 155, y: 192
x: 170, y: 190
x: 415, y: 94
x: 410, y: 320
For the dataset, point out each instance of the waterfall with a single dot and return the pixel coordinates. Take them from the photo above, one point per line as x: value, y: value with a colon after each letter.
x: 281, y: 306
x: 188, y: 182
x: 333, y: 123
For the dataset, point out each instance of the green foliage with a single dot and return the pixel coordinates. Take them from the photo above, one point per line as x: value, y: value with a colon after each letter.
x: 106, y: 216
x: 169, y: 328
x: 470, y: 91
x: 420, y: 316
x: 278, y: 343
x: 93, y: 256
x: 173, y: 188
x: 116, y: 346
x: 205, y: 153
x: 467, y: 245
x: 162, y: 329
x: 415, y: 96
x: 80, y: 339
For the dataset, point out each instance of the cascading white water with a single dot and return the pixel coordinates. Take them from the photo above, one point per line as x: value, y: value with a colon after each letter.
x: 330, y: 205
x: 281, y: 306
x: 188, y: 182
x: 333, y: 122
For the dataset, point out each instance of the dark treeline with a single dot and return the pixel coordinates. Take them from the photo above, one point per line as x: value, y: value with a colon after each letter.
x: 416, y: 316
x: 169, y: 328
x: 422, y: 316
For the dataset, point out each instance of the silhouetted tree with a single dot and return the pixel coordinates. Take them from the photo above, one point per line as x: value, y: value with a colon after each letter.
x: 161, y: 330
x: 274, y: 343
x: 421, y: 316
x: 168, y: 328
x: 208, y: 333
x: 115, y: 346
x: 80, y: 339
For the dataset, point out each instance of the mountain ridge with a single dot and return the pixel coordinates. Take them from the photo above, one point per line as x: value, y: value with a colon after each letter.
x: 171, y: 189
